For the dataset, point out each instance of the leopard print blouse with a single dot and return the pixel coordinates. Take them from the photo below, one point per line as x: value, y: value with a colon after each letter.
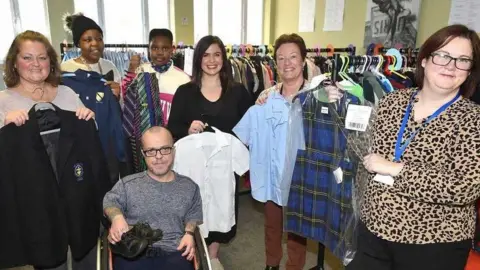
x: 433, y: 198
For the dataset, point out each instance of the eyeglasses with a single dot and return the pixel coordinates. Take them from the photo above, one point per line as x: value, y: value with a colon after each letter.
x: 167, y: 150
x: 443, y: 59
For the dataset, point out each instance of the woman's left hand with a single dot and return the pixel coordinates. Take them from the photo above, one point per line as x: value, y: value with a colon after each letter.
x: 84, y: 114
x: 115, y: 88
x: 376, y: 164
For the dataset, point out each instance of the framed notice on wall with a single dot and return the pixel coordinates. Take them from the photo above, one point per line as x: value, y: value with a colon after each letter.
x: 393, y: 23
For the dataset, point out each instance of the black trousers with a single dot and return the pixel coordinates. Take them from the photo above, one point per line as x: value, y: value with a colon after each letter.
x: 160, y: 261
x: 374, y: 253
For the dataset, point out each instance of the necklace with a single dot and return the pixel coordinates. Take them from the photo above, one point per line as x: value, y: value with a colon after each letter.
x: 42, y: 91
x: 36, y: 94
x: 88, y: 65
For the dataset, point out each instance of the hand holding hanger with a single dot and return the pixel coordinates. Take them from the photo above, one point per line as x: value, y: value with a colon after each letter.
x: 17, y: 117
x: 115, y: 88
x: 334, y: 93
x: 84, y: 113
x: 196, y: 127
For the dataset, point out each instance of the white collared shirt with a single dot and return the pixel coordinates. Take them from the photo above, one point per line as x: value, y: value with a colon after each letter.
x: 211, y: 159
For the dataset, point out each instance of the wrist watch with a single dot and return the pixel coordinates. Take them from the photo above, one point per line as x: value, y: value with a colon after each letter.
x: 190, y: 233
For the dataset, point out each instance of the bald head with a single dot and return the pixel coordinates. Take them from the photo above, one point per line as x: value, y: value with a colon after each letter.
x: 159, y: 134
x: 158, y: 151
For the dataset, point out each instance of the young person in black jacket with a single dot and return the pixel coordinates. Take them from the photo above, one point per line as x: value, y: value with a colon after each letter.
x: 211, y: 99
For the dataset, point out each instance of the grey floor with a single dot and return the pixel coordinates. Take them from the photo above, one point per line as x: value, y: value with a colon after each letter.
x: 246, y: 251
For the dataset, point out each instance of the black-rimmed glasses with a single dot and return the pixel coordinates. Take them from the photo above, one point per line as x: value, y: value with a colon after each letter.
x: 443, y: 59
x: 167, y: 150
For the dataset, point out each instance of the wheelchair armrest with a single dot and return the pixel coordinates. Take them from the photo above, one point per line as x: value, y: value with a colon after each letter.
x: 201, y: 252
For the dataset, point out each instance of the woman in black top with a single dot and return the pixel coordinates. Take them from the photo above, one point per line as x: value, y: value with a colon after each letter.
x: 211, y: 98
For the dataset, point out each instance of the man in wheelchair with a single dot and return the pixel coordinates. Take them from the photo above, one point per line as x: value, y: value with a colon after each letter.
x: 162, y: 199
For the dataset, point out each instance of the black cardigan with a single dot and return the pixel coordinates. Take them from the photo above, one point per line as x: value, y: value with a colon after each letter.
x: 189, y: 104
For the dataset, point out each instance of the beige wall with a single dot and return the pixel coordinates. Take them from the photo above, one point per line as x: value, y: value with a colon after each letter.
x: 286, y: 21
x: 281, y: 16
x: 433, y: 15
x: 183, y: 9
x: 56, y: 10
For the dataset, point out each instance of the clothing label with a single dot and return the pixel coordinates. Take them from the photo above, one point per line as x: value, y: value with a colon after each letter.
x: 386, y: 179
x: 325, y: 110
x: 357, y: 117
x: 338, y: 173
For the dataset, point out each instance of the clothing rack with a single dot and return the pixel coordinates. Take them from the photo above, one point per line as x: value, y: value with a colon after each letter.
x: 65, y: 46
x: 351, y: 50
x: 359, y: 60
x: 257, y: 49
x: 401, y: 50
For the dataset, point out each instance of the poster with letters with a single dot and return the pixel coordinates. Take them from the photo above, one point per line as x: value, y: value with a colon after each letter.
x: 394, y: 23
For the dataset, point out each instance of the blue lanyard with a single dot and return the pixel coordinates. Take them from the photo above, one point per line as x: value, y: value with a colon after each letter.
x: 401, y: 147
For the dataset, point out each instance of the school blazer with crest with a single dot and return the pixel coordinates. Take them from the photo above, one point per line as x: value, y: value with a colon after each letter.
x: 41, y: 216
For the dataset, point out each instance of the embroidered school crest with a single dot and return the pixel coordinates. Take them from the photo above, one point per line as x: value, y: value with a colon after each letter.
x: 100, y: 96
x: 78, y: 171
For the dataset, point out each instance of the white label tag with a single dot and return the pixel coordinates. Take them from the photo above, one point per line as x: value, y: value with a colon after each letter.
x: 386, y: 179
x: 338, y: 173
x: 188, y: 61
x: 357, y: 117
x: 325, y: 110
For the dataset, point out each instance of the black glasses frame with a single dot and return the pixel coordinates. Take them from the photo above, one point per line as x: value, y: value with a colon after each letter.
x: 164, y: 151
x: 450, y: 60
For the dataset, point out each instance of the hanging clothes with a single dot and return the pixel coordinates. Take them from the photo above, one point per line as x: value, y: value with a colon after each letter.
x: 210, y: 159
x: 120, y: 59
x: 319, y: 206
x: 50, y: 206
x: 254, y: 73
x: 167, y: 81
x: 264, y: 128
x: 141, y: 111
x: 98, y: 97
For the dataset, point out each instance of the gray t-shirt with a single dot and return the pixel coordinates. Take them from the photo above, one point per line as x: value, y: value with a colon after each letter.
x: 166, y: 206
x: 11, y: 100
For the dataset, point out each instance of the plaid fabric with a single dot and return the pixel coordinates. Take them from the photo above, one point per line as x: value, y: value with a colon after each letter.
x: 318, y: 208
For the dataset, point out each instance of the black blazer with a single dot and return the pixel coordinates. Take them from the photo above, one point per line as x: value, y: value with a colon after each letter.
x: 41, y: 216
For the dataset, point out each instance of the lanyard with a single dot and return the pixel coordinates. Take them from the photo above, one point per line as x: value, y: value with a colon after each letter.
x: 401, y: 147
x: 301, y: 87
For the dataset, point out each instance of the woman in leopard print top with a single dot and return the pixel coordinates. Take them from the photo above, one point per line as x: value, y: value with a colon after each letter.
x: 421, y: 214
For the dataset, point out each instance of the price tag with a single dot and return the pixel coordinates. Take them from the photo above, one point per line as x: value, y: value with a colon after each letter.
x: 386, y: 179
x: 338, y: 173
x: 357, y: 117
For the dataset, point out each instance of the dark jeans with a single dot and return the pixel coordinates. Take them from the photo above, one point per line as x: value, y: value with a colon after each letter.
x: 374, y: 253
x: 163, y: 260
